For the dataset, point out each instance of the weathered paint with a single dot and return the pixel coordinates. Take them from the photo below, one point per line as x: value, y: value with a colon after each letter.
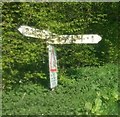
x: 52, y: 66
x: 52, y: 38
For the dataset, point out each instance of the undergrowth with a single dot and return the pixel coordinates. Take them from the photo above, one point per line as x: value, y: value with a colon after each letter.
x: 83, y: 91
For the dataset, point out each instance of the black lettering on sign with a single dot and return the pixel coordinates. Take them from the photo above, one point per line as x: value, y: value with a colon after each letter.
x: 92, y: 38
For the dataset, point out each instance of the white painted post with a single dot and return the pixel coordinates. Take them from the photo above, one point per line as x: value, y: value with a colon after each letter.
x: 52, y: 38
x: 52, y: 66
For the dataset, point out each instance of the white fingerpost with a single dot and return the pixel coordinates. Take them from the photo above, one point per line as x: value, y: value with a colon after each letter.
x: 52, y: 38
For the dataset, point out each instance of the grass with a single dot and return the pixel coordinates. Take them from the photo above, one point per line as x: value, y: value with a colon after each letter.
x: 81, y: 91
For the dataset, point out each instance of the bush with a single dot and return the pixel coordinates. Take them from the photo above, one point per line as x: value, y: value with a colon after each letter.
x: 26, y: 58
x: 23, y: 60
x: 94, y: 92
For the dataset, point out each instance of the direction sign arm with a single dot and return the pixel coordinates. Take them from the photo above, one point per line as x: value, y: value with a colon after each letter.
x: 52, y: 38
x: 77, y: 39
x: 35, y: 33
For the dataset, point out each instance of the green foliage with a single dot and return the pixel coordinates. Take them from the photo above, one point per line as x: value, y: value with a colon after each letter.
x: 86, y: 90
x: 91, y: 94
x: 25, y: 58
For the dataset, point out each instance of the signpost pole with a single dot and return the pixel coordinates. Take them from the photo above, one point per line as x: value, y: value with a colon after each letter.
x: 52, y: 66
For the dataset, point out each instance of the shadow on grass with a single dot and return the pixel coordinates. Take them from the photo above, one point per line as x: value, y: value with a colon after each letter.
x: 43, y: 82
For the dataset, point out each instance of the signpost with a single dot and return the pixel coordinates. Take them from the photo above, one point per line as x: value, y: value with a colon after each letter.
x: 52, y: 38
